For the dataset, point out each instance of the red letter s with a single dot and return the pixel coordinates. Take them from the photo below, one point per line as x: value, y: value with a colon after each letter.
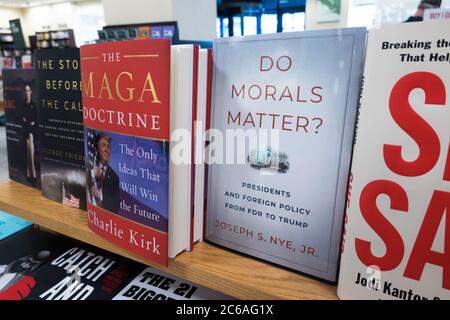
x: 375, y: 219
x: 416, y: 127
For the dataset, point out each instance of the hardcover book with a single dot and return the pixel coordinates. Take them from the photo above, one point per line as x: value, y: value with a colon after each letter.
x: 126, y: 100
x: 396, y: 243
x: 289, y: 101
x: 135, y: 199
x: 38, y: 265
x: 21, y: 102
x: 61, y: 126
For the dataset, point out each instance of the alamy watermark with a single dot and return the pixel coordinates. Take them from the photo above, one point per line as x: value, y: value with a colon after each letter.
x: 260, y: 148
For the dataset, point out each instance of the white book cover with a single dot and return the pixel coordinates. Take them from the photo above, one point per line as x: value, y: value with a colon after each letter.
x: 396, y: 243
x: 285, y: 201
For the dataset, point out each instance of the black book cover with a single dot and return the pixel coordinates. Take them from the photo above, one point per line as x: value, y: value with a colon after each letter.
x: 63, y: 177
x: 39, y: 265
x: 22, y: 141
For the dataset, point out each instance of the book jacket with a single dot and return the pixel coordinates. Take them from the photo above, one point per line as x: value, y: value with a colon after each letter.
x: 21, y: 101
x: 126, y: 102
x: 283, y: 199
x: 396, y: 243
x: 61, y: 126
x: 38, y: 265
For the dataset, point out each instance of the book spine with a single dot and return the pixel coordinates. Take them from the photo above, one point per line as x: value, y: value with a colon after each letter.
x: 207, y: 127
x: 194, y: 119
x: 355, y: 152
x: 350, y: 177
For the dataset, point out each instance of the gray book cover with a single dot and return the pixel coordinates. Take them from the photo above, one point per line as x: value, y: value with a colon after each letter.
x: 284, y: 200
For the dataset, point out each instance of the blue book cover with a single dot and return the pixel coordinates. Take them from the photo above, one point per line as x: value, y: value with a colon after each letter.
x: 10, y: 224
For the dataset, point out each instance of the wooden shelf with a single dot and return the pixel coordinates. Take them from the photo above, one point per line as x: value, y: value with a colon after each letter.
x: 207, y: 265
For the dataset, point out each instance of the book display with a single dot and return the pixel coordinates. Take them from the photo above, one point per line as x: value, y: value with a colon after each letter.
x: 55, y: 39
x: 6, y: 44
x: 157, y: 30
x: 10, y: 52
x: 259, y: 158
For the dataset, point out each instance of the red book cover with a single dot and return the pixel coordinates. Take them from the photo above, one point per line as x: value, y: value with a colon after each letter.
x: 126, y: 107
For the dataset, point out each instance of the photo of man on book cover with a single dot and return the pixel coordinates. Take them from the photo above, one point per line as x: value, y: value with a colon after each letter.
x: 103, y: 180
x: 125, y: 176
